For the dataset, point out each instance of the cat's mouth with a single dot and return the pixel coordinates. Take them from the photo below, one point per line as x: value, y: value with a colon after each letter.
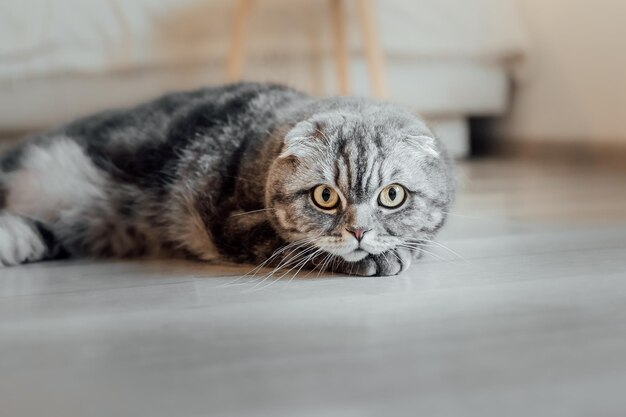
x: 350, y: 251
x: 355, y: 255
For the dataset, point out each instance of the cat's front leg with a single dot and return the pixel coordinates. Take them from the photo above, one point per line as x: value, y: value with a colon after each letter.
x: 387, y: 263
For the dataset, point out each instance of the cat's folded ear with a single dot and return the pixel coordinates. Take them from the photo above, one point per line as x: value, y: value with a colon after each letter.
x: 303, y: 139
x: 297, y: 141
x: 424, y: 143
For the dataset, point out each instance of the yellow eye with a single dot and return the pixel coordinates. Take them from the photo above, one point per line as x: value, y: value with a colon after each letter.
x: 325, y: 197
x: 392, y: 196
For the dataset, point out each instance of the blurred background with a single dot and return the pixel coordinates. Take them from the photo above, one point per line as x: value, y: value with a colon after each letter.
x: 491, y: 75
x: 519, y: 307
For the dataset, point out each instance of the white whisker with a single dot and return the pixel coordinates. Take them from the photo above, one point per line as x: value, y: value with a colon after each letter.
x: 442, y: 246
x: 465, y: 216
x: 251, y: 212
x: 286, y: 263
x: 421, y: 248
x: 299, y: 243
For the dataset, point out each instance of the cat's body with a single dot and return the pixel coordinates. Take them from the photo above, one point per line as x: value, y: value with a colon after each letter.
x: 220, y: 175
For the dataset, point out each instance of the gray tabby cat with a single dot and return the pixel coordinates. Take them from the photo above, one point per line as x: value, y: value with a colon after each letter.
x: 242, y: 173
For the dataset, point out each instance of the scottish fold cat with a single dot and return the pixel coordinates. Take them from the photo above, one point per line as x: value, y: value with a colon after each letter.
x: 248, y: 173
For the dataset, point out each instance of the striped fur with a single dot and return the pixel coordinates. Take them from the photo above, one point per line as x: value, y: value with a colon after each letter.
x: 224, y: 174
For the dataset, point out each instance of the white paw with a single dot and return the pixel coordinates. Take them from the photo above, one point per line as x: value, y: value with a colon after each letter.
x: 389, y: 263
x: 19, y: 242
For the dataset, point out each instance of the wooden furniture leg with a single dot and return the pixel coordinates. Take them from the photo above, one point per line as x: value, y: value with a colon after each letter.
x: 237, y: 51
x: 373, y: 49
x: 340, y: 47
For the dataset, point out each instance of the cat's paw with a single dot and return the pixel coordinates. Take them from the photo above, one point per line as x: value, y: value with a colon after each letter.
x: 19, y: 241
x: 388, y: 263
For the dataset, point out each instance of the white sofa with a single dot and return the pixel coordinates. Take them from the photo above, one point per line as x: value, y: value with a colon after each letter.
x: 448, y: 59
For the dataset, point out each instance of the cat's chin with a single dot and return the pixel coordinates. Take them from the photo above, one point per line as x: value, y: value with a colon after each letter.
x: 355, y: 256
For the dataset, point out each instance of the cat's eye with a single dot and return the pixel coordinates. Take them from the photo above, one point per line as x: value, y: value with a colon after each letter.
x: 392, y: 196
x: 325, y: 197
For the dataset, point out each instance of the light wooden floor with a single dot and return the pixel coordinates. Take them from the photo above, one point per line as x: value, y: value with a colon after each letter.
x: 530, y: 322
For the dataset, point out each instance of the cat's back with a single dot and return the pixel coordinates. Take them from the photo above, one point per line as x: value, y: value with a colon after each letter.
x: 159, y: 119
x: 137, y: 142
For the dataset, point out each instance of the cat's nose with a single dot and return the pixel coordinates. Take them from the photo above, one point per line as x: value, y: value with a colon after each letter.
x: 358, y: 232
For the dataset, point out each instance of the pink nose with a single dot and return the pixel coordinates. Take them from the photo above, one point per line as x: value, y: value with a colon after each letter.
x: 358, y: 232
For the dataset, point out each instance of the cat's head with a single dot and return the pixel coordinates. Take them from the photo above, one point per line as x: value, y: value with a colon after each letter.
x: 359, y: 177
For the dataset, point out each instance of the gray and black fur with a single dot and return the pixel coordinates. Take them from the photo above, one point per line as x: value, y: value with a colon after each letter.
x: 226, y: 174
